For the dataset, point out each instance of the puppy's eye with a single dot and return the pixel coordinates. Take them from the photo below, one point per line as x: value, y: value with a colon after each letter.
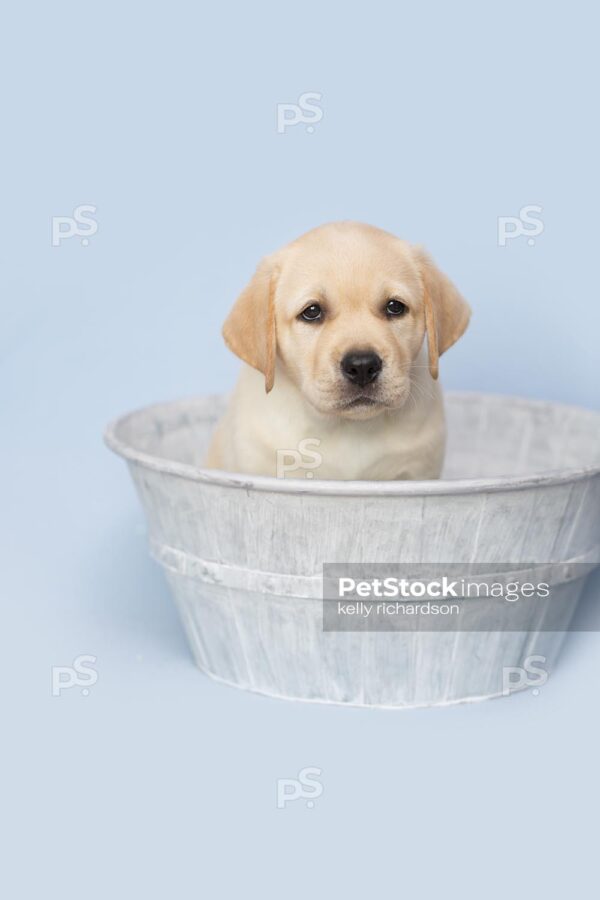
x: 395, y: 308
x: 312, y: 313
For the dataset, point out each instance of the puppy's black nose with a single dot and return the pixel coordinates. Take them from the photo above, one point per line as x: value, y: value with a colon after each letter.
x: 361, y: 367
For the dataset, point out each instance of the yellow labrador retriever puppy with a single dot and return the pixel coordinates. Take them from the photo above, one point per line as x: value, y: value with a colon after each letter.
x: 337, y: 379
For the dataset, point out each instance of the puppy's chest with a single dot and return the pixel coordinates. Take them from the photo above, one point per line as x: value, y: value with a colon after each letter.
x: 362, y: 452
x: 355, y: 456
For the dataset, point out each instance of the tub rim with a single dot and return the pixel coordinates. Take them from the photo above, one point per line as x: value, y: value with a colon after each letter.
x: 320, y: 487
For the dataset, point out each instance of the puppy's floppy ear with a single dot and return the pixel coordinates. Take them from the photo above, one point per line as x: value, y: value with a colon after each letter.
x: 447, y: 313
x: 249, y: 329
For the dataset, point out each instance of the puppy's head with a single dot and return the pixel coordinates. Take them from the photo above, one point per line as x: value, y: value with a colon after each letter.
x: 346, y: 308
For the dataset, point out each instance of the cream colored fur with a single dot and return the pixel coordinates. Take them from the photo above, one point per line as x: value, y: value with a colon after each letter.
x: 292, y: 390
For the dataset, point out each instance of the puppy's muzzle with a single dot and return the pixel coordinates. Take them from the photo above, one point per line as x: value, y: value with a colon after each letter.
x: 361, y: 367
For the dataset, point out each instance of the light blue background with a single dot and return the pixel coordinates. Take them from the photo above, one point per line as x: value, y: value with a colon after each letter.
x: 438, y: 118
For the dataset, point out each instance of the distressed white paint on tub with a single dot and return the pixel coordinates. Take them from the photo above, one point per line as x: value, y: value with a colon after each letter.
x: 244, y: 555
